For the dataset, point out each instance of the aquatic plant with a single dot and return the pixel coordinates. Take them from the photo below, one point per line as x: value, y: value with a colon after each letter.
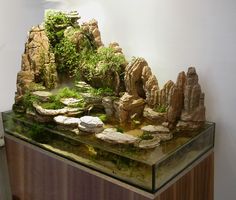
x: 39, y: 134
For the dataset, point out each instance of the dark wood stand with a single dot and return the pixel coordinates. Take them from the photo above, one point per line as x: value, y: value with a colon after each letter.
x: 36, y: 174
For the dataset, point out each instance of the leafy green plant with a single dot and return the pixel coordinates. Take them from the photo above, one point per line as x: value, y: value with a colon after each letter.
x: 28, y: 100
x: 146, y: 136
x: 109, y: 60
x: 55, y: 24
x: 103, y: 117
x: 67, y: 58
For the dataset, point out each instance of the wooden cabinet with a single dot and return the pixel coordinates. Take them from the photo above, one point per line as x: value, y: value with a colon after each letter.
x: 36, y: 174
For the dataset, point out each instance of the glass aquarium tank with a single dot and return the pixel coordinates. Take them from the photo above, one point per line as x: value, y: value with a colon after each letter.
x: 87, y: 102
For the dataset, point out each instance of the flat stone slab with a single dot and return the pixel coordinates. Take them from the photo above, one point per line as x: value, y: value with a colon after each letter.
x: 90, y: 130
x: 165, y: 136
x: 155, y: 129
x: 149, y: 144
x: 51, y: 112
x: 111, y: 135
x: 67, y: 121
x: 153, y: 115
x: 42, y: 93
x: 70, y: 101
x: 91, y: 122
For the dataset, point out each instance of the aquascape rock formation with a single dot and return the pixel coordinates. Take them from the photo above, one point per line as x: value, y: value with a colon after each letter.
x: 70, y: 78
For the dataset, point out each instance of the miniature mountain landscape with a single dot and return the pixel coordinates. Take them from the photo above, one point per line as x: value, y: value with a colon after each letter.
x: 71, y: 80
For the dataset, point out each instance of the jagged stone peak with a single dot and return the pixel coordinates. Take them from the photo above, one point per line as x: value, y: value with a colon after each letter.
x: 37, y: 28
x: 192, y: 77
x: 181, y: 80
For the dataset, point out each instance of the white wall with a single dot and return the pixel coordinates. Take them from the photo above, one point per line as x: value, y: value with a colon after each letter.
x: 170, y: 34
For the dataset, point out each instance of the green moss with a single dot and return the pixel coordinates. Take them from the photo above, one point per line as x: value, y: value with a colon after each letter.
x: 52, y: 105
x: 146, y: 136
x: 55, y: 100
x: 160, y: 109
x: 119, y: 129
x: 68, y: 93
x: 101, y: 91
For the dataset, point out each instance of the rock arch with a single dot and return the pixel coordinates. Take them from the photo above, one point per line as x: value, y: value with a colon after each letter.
x: 140, y: 82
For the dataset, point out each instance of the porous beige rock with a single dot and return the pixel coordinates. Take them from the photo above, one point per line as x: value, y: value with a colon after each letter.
x: 116, y: 47
x: 153, y: 116
x: 128, y: 106
x: 140, y: 82
x: 176, y: 99
x: 92, y: 27
x: 164, y: 94
x: 38, y: 63
x: 141, y: 88
x: 194, y: 109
